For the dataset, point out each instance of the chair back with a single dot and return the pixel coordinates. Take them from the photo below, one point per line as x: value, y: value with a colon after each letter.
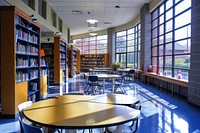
x: 22, y: 106
x: 93, y: 78
x: 28, y: 128
x: 132, y: 71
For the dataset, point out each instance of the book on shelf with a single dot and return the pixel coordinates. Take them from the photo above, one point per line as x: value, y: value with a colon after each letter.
x: 32, y: 97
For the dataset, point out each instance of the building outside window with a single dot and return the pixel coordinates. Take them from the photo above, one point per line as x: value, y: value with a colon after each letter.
x: 171, y: 38
x: 42, y: 8
x: 30, y: 3
x: 92, y: 45
x: 128, y: 47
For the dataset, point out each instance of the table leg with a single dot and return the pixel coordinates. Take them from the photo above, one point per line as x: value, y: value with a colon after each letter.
x: 104, y: 80
x: 113, y: 87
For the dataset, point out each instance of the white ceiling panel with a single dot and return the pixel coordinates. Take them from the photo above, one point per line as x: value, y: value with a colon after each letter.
x: 102, y: 10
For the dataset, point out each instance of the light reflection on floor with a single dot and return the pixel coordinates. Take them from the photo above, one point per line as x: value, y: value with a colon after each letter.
x: 160, y: 113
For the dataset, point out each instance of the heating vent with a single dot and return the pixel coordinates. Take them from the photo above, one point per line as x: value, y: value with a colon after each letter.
x: 76, y: 12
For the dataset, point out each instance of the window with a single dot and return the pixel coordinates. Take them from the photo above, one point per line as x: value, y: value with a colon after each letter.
x: 54, y: 18
x: 171, y: 37
x: 60, y: 24
x: 30, y: 3
x: 92, y: 45
x: 42, y: 8
x: 128, y: 47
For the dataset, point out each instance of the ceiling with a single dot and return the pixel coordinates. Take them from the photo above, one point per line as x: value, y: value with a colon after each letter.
x: 75, y: 13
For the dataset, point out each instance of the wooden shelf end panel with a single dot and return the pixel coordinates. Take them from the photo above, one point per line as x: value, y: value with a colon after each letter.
x: 43, y: 86
x: 21, y: 94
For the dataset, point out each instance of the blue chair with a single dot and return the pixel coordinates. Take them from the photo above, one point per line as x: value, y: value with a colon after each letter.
x: 27, y: 128
x: 93, y: 84
x: 118, y: 85
x: 21, y: 107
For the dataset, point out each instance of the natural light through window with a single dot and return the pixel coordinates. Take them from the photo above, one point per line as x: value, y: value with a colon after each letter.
x: 171, y: 38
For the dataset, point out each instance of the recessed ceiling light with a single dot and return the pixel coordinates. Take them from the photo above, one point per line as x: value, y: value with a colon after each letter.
x: 76, y: 12
x: 93, y: 34
x: 92, y: 21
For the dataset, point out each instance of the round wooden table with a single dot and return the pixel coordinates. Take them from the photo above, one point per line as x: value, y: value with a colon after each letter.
x: 118, y: 99
x: 73, y: 114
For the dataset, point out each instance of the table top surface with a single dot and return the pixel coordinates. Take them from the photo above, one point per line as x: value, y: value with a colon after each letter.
x: 99, y: 70
x: 124, y: 69
x: 57, y: 113
x: 119, y: 99
x: 108, y: 75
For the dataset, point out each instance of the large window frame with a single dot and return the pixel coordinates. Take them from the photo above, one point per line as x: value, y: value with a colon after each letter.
x: 127, y: 47
x: 30, y: 3
x: 171, y: 38
x: 54, y: 18
x: 92, y: 45
x: 42, y: 8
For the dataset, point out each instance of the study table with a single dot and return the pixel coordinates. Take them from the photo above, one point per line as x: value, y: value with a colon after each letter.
x: 124, y: 69
x: 74, y: 114
x: 91, y: 71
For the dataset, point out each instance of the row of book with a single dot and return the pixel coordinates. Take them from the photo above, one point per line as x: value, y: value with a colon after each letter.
x: 62, y: 55
x: 21, y: 76
x: 33, y: 74
x: 23, y: 35
x: 20, y: 62
x: 33, y: 86
x: 26, y: 49
x: 62, y: 67
x: 43, y: 62
x: 62, y: 48
x: 33, y: 62
x: 43, y: 72
x: 23, y: 22
x: 32, y: 98
x: 62, y: 61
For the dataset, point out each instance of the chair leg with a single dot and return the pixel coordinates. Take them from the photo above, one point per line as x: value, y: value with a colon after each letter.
x: 136, y: 125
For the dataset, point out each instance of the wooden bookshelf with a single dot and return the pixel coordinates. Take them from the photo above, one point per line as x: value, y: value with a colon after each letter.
x: 55, y: 55
x: 49, y: 59
x: 0, y: 67
x: 44, y: 75
x: 89, y: 61
x: 19, y: 59
x: 73, y: 62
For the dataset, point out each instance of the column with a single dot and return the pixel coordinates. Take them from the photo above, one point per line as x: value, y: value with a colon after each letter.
x: 194, y: 74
